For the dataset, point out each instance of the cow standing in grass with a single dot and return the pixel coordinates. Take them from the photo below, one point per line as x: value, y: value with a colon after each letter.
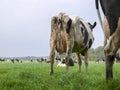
x: 111, y: 29
x: 2, y: 59
x: 12, y: 60
x: 70, y: 34
x: 62, y: 63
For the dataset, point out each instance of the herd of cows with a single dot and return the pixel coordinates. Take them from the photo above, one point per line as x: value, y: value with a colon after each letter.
x: 13, y: 60
x: 60, y: 62
x: 74, y: 34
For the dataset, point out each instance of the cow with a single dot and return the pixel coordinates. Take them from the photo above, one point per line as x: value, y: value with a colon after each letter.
x: 70, y: 34
x: 2, y: 59
x: 39, y: 60
x: 111, y: 29
x: 62, y: 63
x: 16, y: 59
x: 117, y: 57
x: 97, y: 60
x: 12, y: 60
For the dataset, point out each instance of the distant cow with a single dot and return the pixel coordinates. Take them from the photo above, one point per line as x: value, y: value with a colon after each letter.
x: 62, y: 63
x: 12, y: 60
x: 16, y: 60
x: 111, y: 29
x: 2, y: 59
x: 117, y: 56
x: 97, y: 60
x: 39, y: 60
x: 70, y: 34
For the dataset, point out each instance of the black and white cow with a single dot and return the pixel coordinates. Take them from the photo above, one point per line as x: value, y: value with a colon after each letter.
x: 62, y: 63
x: 111, y: 29
x: 70, y: 34
x: 2, y: 59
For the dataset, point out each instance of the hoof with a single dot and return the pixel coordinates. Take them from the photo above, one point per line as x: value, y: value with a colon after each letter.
x: 51, y: 73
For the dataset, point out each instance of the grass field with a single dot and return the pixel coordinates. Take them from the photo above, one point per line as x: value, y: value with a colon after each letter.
x: 35, y: 76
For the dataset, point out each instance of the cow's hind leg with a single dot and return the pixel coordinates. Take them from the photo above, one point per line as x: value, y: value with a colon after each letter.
x: 67, y: 63
x: 110, y: 52
x: 67, y: 60
x: 109, y: 66
x: 52, y: 55
x: 79, y: 62
x: 68, y: 53
x: 86, y: 61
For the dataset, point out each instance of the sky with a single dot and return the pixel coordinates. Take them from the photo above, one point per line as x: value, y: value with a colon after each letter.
x: 25, y: 24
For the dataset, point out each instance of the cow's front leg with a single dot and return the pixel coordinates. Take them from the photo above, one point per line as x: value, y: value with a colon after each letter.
x: 86, y: 61
x: 79, y: 62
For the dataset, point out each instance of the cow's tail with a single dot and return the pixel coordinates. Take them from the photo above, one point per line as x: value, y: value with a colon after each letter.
x: 98, y: 12
x: 100, y: 19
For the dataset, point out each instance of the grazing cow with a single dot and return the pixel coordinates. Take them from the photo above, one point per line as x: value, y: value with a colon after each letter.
x: 97, y: 60
x: 111, y: 29
x: 57, y: 60
x: 39, y: 60
x: 31, y: 60
x: 12, y: 60
x: 117, y: 57
x: 2, y: 59
x: 62, y: 63
x: 16, y: 59
x: 70, y: 34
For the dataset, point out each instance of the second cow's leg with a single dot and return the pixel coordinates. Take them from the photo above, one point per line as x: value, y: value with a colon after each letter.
x: 79, y: 62
x: 86, y: 61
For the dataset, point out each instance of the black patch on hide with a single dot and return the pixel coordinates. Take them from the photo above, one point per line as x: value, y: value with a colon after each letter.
x: 85, y: 33
x: 111, y: 9
x: 113, y: 23
x: 90, y: 43
x: 68, y: 26
x: 82, y: 31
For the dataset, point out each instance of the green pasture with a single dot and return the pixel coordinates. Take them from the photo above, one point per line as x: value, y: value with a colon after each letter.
x: 35, y: 76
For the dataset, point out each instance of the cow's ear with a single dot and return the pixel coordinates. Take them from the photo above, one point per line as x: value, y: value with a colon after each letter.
x: 68, y: 25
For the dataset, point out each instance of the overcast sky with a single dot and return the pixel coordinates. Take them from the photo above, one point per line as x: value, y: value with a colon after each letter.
x: 25, y: 24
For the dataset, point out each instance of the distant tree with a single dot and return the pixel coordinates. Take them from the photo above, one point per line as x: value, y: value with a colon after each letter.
x: 99, y: 51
